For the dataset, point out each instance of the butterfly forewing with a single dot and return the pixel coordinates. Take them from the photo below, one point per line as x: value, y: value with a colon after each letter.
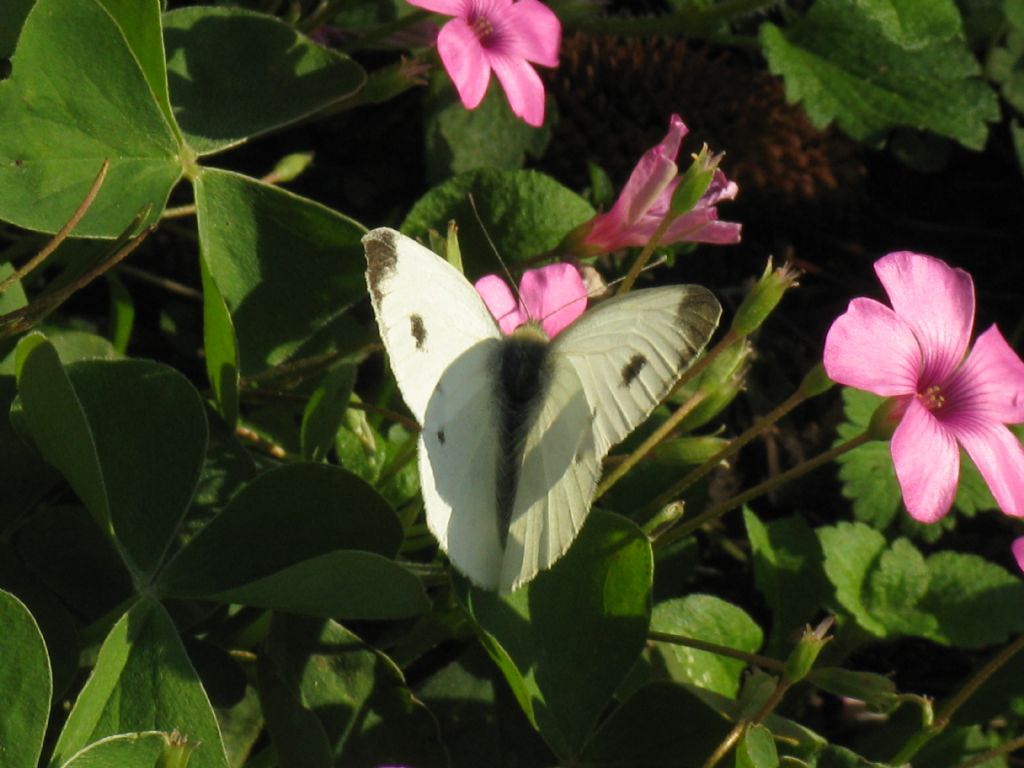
x: 428, y: 313
x: 630, y: 350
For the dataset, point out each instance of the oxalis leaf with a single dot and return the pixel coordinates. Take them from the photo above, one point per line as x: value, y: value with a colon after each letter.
x: 143, y: 681
x: 25, y: 679
x: 67, y: 109
x: 891, y: 590
x: 839, y: 64
x: 566, y: 640
x: 525, y: 213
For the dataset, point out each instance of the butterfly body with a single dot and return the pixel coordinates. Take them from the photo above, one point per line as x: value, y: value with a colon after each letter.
x: 514, y: 427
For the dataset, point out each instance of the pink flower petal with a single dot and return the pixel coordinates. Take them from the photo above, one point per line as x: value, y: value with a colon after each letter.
x: 1018, y: 551
x: 998, y: 454
x: 447, y: 7
x: 534, y: 33
x: 500, y: 302
x: 938, y: 303
x: 523, y: 87
x: 871, y: 348
x: 465, y: 60
x: 990, y: 383
x: 555, y: 295
x: 927, y: 463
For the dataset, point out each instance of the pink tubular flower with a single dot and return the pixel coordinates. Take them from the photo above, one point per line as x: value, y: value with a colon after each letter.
x: 500, y: 35
x: 553, y: 296
x: 1018, y: 551
x: 644, y: 201
x: 916, y: 353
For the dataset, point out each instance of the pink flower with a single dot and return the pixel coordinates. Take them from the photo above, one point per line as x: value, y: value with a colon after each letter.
x: 644, y: 202
x: 552, y: 296
x: 1018, y: 551
x: 503, y: 36
x: 916, y: 353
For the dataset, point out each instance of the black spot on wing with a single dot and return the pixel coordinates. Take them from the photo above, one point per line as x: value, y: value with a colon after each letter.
x: 381, y: 259
x: 632, y: 369
x: 440, y: 436
x: 418, y: 330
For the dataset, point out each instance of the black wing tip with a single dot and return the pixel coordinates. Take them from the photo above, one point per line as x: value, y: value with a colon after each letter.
x: 381, y: 246
x: 700, y: 301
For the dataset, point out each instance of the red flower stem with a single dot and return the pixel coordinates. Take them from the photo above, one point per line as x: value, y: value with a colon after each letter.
x: 674, y: 533
x: 62, y: 233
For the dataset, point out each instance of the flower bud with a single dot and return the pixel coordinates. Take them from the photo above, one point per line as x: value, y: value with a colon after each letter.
x: 816, y: 382
x: 877, y: 691
x: 763, y: 299
x: 886, y: 418
x: 802, y: 659
x: 718, y: 384
x: 694, y: 183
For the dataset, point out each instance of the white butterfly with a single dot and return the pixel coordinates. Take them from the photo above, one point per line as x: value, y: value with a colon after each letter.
x: 514, y: 427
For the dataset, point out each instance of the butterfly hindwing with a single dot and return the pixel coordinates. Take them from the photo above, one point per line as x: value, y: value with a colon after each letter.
x: 558, y: 472
x: 630, y: 350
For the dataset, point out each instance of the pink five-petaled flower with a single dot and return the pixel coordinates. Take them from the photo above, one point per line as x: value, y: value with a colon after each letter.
x: 552, y: 296
x: 916, y: 353
x: 645, y: 199
x: 500, y: 35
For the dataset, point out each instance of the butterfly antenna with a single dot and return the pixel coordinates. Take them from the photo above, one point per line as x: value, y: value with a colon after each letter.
x: 487, y: 235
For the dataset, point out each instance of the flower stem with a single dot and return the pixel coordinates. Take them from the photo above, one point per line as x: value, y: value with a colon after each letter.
x: 922, y: 737
x: 672, y: 534
x: 1003, y: 749
x: 666, y: 428
x: 721, y: 650
x: 760, y: 426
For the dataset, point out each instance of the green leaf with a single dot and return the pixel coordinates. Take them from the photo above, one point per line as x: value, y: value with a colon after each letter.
x: 235, y: 74
x: 460, y: 140
x: 122, y: 314
x: 712, y: 620
x: 757, y: 749
x: 65, y: 114
x: 851, y: 551
x: 325, y: 411
x: 310, y: 538
x: 24, y: 679
x: 129, y: 435
x: 662, y: 724
x: 139, y: 21
x: 975, y: 603
x: 894, y: 588
x: 352, y: 698
x: 788, y: 572
x: 837, y: 62
x: 566, y: 640
x: 286, y: 267
x: 346, y: 584
x: 24, y: 477
x: 57, y: 421
x: 915, y: 23
x: 152, y: 749
x: 220, y: 346
x: 143, y: 681
x: 525, y: 212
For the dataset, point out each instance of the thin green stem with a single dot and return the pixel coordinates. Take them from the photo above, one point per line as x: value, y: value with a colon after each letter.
x: 922, y: 737
x: 721, y: 650
x: 1003, y: 749
x: 685, y: 529
x: 760, y: 426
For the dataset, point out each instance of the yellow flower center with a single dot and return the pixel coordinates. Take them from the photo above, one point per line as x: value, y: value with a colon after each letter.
x: 932, y: 398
